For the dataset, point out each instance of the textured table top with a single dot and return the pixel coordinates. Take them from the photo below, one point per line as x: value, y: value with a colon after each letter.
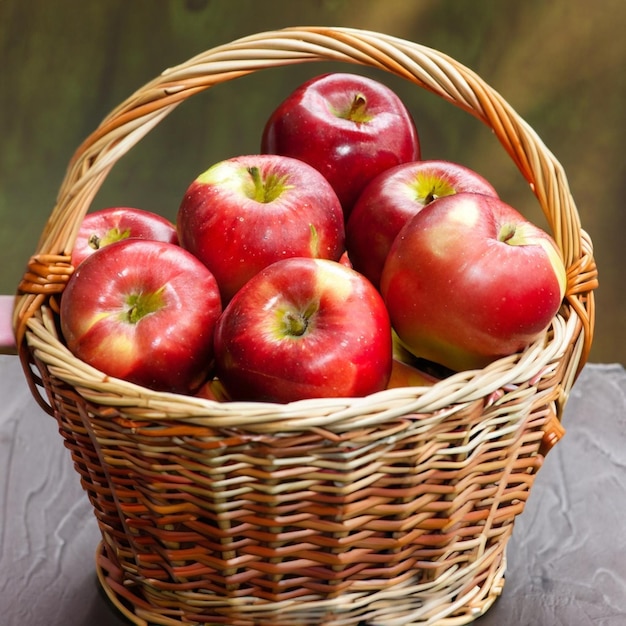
x: 566, y: 559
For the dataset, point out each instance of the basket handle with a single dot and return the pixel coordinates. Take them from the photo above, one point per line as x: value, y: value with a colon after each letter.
x: 49, y: 268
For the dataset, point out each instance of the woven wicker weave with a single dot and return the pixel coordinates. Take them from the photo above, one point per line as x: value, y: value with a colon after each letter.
x: 390, y: 509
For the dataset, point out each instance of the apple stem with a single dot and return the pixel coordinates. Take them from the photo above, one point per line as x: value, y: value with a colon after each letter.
x: 295, y: 324
x: 267, y: 190
x: 113, y: 235
x: 258, y: 189
x: 358, y: 110
x: 507, y: 232
x: 140, y: 305
x: 314, y: 245
x: 94, y: 242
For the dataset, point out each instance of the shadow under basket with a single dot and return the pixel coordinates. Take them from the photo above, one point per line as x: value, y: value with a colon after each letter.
x: 391, y: 509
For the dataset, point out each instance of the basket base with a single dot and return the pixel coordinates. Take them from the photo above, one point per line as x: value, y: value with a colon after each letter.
x: 380, y: 609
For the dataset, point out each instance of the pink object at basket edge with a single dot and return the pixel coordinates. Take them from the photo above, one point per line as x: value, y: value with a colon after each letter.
x: 7, y: 337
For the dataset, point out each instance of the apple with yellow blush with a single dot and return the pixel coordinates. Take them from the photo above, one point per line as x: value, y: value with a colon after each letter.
x: 469, y: 279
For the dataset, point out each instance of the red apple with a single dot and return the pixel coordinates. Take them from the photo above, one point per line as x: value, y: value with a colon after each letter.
x: 144, y: 311
x: 405, y: 375
x: 244, y: 213
x: 105, y: 226
x: 394, y: 196
x: 213, y: 390
x: 304, y: 328
x: 347, y: 126
x: 468, y: 279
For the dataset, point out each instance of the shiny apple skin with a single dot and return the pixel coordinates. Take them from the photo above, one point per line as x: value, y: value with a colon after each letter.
x: 460, y: 297
x: 392, y: 198
x: 405, y: 375
x: 345, y: 350
x: 349, y: 153
x: 169, y: 348
x: 236, y: 236
x: 111, y: 224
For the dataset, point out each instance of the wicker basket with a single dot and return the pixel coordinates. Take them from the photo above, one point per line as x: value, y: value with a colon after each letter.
x: 390, y: 509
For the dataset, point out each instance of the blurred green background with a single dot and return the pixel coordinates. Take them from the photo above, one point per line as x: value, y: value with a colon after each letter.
x: 66, y: 64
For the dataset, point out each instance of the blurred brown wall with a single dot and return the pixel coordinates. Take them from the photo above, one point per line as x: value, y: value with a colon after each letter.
x: 65, y: 64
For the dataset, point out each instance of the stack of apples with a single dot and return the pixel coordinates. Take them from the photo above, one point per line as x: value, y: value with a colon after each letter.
x: 329, y: 264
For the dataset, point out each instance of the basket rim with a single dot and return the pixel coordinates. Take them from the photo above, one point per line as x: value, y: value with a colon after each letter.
x: 519, y: 375
x: 49, y: 268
